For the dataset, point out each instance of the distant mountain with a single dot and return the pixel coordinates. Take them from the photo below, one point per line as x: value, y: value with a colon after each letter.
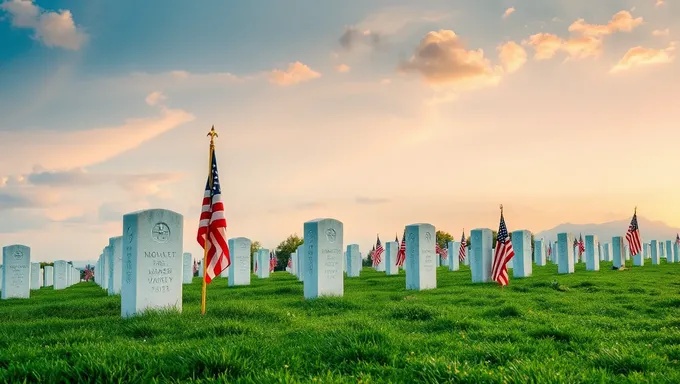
x: 81, y: 264
x: 649, y: 230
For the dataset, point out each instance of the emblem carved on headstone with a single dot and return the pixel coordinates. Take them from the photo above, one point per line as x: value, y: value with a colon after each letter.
x: 411, y: 236
x: 18, y: 254
x: 428, y: 237
x: 331, y: 235
x: 160, y: 232
x: 128, y: 231
x: 243, y: 245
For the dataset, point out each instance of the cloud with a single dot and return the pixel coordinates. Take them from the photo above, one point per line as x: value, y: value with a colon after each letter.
x: 155, y: 97
x: 353, y: 37
x: 371, y: 201
x: 53, y: 29
x: 342, y: 68
x: 296, y: 73
x: 508, y: 12
x: 639, y: 56
x: 148, y: 184
x: 73, y: 177
x: 309, y: 205
x: 19, y: 220
x: 512, y: 55
x: 622, y: 21
x: 546, y: 45
x: 441, y: 57
x: 661, y: 32
x: 114, y: 211
x: 10, y: 200
x: 74, y: 149
x: 659, y: 3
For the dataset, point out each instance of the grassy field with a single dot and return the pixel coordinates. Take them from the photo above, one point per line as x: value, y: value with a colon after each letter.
x: 606, y: 326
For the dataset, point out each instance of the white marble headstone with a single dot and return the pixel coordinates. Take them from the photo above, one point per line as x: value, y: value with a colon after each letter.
x: 390, y: 258
x: 115, y: 264
x: 639, y: 259
x: 239, y: 271
x: 521, y: 262
x: 60, y: 274
x: 420, y: 256
x: 481, y: 256
x: 187, y: 268
x: 152, y: 261
x: 263, y: 263
x: 539, y: 253
x: 453, y: 251
x: 16, y: 263
x: 565, y: 253
x: 49, y: 275
x: 592, y: 257
x: 654, y: 252
x: 35, y: 276
x: 323, y: 258
x: 301, y: 262
x: 466, y: 261
x: 618, y: 256
x: 293, y: 263
x: 353, y: 260
x: 669, y: 252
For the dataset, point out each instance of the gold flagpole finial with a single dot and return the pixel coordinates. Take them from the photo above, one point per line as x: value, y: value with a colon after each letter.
x: 501, y: 208
x: 212, y: 134
x: 635, y: 211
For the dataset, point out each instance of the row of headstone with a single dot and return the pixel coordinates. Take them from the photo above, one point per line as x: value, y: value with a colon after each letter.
x: 19, y: 276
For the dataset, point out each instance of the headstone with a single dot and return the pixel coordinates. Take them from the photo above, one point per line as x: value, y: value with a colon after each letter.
x: 1, y: 277
x: 293, y: 263
x: 391, y: 249
x: 152, y: 261
x: 115, y: 265
x: 626, y: 252
x: 263, y: 263
x: 618, y: 256
x: 239, y: 271
x: 301, y: 263
x: 200, y: 269
x: 454, y: 250
x: 381, y: 265
x: 555, y: 253
x: 662, y: 250
x: 654, y: 252
x: 353, y: 260
x: 481, y: 257
x: 69, y: 275
x: 438, y: 260
x: 466, y: 261
x: 323, y: 258
x: 607, y: 252
x: 188, y: 268
x: 669, y: 252
x: 521, y: 244
x: 539, y: 253
x: 420, y: 256
x: 16, y: 269
x: 565, y: 253
x: 676, y: 249
x: 49, y: 276
x: 60, y: 275
x: 639, y: 259
x: 105, y: 269
x: 35, y: 276
x: 225, y: 271
x: 592, y: 258
x: 600, y: 251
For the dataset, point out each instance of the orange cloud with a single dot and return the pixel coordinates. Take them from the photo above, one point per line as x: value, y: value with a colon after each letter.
x: 661, y: 32
x: 72, y: 149
x: 342, y: 68
x: 508, y: 12
x: 155, y: 97
x: 296, y: 73
x: 640, y: 56
x: 512, y: 55
x: 659, y: 3
x: 546, y: 45
x: 622, y: 21
x: 441, y: 57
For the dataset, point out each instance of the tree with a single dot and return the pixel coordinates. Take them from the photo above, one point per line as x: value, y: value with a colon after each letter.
x: 254, y: 247
x: 285, y: 248
x: 443, y: 239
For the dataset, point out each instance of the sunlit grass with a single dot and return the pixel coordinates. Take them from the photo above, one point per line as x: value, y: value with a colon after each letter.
x: 607, y: 326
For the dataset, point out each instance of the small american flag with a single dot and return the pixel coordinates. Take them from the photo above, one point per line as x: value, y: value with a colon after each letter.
x: 89, y: 273
x: 503, y: 254
x: 463, y: 248
x: 633, y: 235
x: 401, y: 254
x: 581, y: 245
x: 378, y: 253
x: 212, y: 228
x: 442, y: 252
x: 272, y: 261
x: 290, y: 262
x: 549, y: 249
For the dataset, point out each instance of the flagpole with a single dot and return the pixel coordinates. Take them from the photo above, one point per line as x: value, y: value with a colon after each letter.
x: 212, y: 134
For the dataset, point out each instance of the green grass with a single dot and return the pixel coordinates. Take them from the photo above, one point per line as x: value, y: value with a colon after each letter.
x: 606, y: 326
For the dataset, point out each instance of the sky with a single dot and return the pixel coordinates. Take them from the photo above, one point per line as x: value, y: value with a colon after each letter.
x: 377, y: 113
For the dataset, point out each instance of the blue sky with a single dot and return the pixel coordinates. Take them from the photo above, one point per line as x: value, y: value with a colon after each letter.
x: 311, y: 128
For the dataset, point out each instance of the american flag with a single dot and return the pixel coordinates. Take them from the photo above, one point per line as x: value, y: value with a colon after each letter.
x: 213, y: 225
x: 677, y: 239
x: 581, y: 245
x: 503, y: 254
x: 401, y: 254
x: 463, y: 248
x: 89, y: 273
x: 633, y: 235
x: 272, y: 261
x: 442, y: 252
x: 549, y: 249
x: 290, y: 262
x: 378, y: 253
